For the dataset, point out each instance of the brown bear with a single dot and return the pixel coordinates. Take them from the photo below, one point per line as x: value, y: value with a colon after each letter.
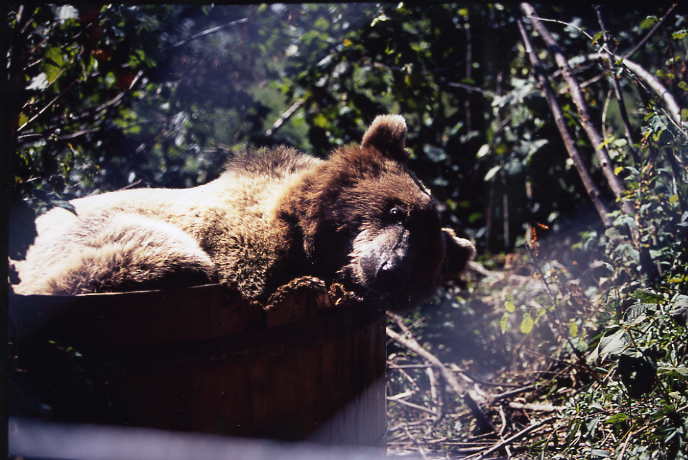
x: 360, y: 219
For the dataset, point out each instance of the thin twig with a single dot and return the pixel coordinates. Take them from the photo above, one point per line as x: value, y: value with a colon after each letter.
x: 651, y: 32
x: 209, y: 31
x: 472, y: 89
x: 47, y: 106
x: 409, y: 366
x: 401, y: 395
x: 285, y: 116
x: 509, y: 393
x: 502, y: 416
x: 415, y: 406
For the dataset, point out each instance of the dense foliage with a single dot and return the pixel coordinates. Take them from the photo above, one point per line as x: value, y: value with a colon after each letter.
x: 113, y: 96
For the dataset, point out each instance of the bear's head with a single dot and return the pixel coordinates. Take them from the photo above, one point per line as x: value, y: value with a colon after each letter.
x: 368, y: 222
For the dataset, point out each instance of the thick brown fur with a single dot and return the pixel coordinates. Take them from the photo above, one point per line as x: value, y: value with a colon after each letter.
x: 359, y: 219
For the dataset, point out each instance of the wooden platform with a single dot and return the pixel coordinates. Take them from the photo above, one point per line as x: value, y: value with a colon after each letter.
x: 201, y: 360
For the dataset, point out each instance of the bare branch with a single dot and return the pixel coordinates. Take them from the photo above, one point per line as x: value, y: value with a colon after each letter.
x: 617, y: 89
x: 589, y: 185
x: 582, y: 108
x: 473, y: 89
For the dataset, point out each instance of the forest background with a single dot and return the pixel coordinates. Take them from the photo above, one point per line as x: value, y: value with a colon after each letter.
x: 554, y: 136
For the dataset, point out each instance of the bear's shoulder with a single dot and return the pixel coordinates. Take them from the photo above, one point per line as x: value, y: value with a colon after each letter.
x: 276, y: 163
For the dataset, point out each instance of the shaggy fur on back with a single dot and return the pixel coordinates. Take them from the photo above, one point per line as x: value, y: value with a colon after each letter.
x: 359, y: 217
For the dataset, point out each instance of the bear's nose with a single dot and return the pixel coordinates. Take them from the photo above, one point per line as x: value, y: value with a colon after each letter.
x: 394, y: 269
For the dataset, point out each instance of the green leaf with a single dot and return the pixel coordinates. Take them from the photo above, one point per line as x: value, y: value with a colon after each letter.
x: 320, y: 121
x: 617, y: 418
x: 682, y: 370
x: 527, y: 323
x: 648, y: 22
x: 680, y: 34
x: 504, y: 323
x: 647, y: 296
x: 678, y: 279
x: 509, y: 306
x: 52, y: 64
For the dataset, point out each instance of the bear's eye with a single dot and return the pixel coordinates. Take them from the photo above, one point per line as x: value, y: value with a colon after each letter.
x: 396, y: 214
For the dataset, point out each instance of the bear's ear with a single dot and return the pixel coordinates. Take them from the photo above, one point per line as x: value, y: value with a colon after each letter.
x: 387, y: 134
x: 458, y: 252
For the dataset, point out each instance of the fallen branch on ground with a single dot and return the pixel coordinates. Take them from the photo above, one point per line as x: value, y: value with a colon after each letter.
x: 471, y: 397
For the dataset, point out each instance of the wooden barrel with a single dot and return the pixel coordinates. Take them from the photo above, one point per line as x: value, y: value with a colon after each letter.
x: 200, y: 359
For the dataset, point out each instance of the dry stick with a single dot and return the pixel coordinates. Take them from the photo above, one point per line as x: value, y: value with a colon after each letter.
x: 516, y: 436
x: 582, y: 108
x: 411, y: 344
x: 435, y: 394
x: 617, y: 90
x: 590, y: 187
x: 502, y: 416
x: 416, y: 406
x: 537, y: 407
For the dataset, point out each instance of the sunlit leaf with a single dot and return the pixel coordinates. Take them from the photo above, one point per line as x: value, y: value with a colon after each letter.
x: 527, y: 324
x: 492, y: 173
x: 504, y: 323
x: 53, y: 63
x: 613, y: 344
